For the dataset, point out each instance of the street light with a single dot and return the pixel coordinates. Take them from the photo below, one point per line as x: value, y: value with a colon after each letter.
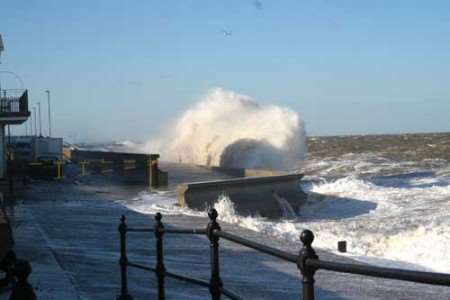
x: 35, y: 121
x: 30, y: 119
x: 40, y: 120
x: 2, y: 46
x: 49, y: 115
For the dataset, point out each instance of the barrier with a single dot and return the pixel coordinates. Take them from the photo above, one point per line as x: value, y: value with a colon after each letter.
x: 136, y: 167
x: 116, y: 157
x: 270, y: 196
x: 307, y: 261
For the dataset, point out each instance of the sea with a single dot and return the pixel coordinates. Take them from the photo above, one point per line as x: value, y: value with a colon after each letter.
x: 387, y: 196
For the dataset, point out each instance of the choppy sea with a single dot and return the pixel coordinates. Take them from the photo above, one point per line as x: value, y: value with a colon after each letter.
x: 388, y: 196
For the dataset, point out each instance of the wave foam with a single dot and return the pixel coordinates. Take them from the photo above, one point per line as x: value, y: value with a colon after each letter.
x: 231, y: 130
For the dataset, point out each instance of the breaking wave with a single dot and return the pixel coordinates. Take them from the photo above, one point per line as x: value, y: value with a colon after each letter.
x: 232, y: 130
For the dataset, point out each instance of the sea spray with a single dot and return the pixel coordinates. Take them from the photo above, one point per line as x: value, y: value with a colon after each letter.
x: 232, y: 130
x: 283, y: 229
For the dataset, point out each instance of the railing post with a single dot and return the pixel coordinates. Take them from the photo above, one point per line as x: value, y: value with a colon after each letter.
x: 123, y: 260
x: 307, y: 252
x: 160, y: 268
x: 23, y: 289
x: 215, y: 283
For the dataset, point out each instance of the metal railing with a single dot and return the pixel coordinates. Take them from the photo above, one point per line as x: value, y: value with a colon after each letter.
x: 13, y: 101
x: 306, y: 261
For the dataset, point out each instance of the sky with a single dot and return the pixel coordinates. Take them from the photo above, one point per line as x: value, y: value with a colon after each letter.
x: 128, y: 69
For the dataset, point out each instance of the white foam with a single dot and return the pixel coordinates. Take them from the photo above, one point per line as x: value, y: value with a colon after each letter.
x: 230, y: 129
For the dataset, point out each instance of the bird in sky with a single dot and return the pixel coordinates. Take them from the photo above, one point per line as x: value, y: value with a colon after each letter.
x: 226, y: 33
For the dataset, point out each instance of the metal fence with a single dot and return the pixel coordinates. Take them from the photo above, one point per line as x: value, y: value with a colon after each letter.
x: 13, y: 101
x: 306, y: 261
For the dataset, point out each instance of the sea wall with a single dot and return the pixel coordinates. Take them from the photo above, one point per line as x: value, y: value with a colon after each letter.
x: 268, y: 196
x: 136, y: 167
x: 243, y: 172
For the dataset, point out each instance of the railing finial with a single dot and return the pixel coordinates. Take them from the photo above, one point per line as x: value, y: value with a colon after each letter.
x: 212, y: 214
x: 123, y: 225
x: 307, y: 252
x: 307, y: 237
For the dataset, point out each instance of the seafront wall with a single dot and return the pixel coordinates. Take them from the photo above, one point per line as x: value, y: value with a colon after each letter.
x: 136, y: 167
x: 268, y: 196
x: 241, y: 172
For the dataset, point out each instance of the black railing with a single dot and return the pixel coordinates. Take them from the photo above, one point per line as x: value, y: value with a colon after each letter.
x: 307, y: 261
x: 13, y: 101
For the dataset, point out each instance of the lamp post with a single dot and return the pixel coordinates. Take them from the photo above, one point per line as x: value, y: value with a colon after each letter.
x: 49, y: 115
x: 35, y: 121
x: 40, y: 120
x: 2, y: 47
x: 31, y: 123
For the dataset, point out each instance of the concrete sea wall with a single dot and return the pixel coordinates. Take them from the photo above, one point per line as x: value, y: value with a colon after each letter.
x: 265, y: 196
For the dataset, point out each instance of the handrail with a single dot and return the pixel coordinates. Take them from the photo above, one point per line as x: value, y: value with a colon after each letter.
x: 259, y: 247
x: 170, y: 230
x: 307, y: 261
x: 380, y: 272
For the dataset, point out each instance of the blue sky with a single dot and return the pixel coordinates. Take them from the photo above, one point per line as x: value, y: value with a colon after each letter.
x: 127, y: 69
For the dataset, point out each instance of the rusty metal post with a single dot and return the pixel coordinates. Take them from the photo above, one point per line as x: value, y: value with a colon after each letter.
x: 307, y: 252
x: 160, y: 268
x: 123, y: 260
x: 215, y: 283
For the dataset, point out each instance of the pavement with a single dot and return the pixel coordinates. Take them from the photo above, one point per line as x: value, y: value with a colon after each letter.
x: 68, y: 231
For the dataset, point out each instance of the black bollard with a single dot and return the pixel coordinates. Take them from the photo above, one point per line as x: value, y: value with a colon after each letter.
x: 22, y: 289
x: 215, y: 283
x: 342, y: 246
x: 307, y: 252
x: 160, y: 268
